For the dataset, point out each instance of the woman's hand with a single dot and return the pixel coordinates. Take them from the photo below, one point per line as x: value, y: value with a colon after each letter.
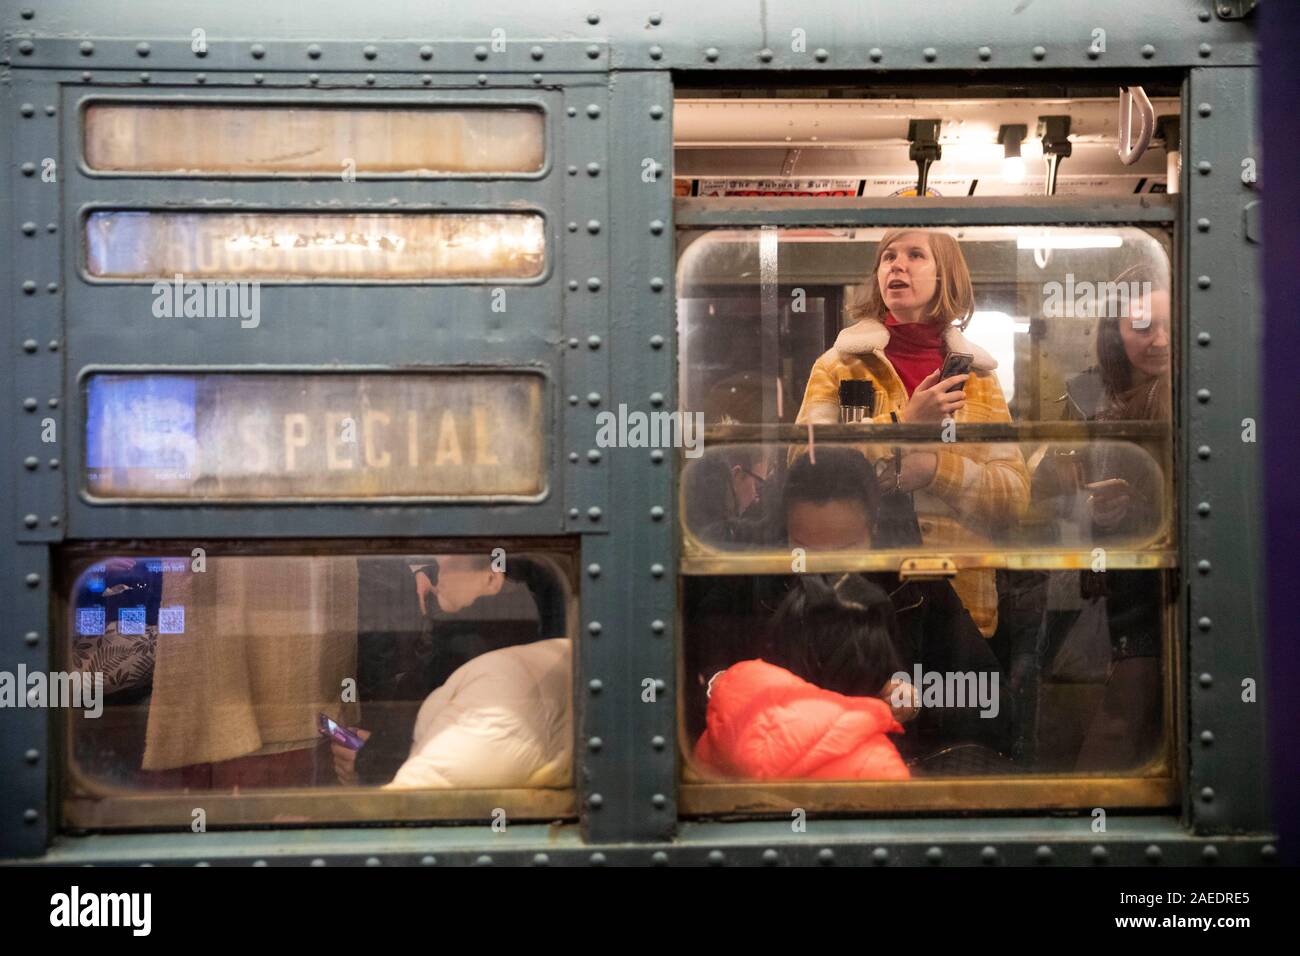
x: 1109, y: 502
x: 935, y: 400
x: 902, y: 699
x: 345, y: 759
x: 917, y: 472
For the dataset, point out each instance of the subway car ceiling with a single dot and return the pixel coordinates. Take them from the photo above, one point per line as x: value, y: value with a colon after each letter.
x: 727, y: 146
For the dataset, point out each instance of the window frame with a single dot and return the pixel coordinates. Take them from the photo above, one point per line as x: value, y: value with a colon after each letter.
x: 104, y: 807
x: 1157, y: 785
x: 428, y: 207
x: 547, y: 460
x: 343, y: 99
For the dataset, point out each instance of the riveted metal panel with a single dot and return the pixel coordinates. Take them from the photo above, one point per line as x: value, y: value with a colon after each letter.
x: 321, y: 324
x: 24, y: 730
x: 1152, y: 843
x: 628, y: 775
x: 509, y: 52
x: 37, y: 465
x: 1221, y: 405
x: 626, y: 771
x: 587, y: 283
x: 945, y: 34
x: 666, y: 34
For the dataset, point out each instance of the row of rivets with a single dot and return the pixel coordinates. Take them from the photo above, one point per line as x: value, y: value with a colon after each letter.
x: 769, y: 857
x: 929, y: 54
x: 1206, y: 680
x: 30, y: 404
x: 258, y: 51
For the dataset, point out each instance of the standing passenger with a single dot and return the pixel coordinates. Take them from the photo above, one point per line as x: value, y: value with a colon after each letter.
x: 1130, y: 382
x: 920, y: 302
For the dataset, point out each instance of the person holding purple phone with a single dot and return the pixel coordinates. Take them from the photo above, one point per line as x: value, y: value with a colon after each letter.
x: 422, y: 618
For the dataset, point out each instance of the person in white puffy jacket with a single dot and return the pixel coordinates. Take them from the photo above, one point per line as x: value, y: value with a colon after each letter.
x: 502, y: 720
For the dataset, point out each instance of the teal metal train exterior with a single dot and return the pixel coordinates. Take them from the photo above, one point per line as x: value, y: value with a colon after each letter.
x: 599, y: 323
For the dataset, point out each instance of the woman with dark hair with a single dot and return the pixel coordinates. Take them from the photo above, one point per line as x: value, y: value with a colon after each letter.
x: 1124, y: 499
x: 841, y: 636
x: 839, y: 632
x: 811, y: 707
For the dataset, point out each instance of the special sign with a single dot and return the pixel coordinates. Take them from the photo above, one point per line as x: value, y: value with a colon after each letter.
x: 261, y: 435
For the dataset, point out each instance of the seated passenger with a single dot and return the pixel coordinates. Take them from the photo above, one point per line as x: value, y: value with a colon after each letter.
x: 828, y: 507
x: 420, y: 619
x: 504, y: 719
x: 724, y: 490
x: 831, y: 506
x: 919, y: 301
x: 810, y: 709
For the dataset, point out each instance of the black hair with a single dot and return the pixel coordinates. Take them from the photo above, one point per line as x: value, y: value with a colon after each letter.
x: 840, y: 474
x: 839, y: 632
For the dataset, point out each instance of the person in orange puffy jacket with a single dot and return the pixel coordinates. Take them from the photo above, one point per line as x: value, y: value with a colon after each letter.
x: 812, y: 708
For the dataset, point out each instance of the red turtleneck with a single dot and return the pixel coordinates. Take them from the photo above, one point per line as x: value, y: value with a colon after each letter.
x: 915, y: 349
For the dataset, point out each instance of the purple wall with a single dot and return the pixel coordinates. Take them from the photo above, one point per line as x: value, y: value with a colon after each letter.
x: 1279, y: 169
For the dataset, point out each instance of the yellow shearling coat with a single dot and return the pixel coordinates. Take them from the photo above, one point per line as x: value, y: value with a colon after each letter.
x: 977, y: 489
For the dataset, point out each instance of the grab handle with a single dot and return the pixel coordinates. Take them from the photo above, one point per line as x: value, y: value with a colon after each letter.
x: 1130, y: 151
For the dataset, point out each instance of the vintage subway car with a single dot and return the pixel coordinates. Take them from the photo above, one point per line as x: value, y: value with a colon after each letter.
x: 422, y: 418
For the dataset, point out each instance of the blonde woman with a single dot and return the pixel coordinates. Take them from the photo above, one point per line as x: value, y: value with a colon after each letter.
x: 919, y: 301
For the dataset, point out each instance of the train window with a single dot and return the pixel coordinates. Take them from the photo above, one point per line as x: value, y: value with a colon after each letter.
x: 1040, y: 308
x: 875, y: 677
x: 262, y: 436
x: 1039, y: 496
x: 306, y: 687
x: 145, y: 245
x: 225, y: 140
x: 890, y: 579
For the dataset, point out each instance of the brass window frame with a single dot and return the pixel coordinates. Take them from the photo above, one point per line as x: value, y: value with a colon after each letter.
x: 86, y: 804
x: 1159, y: 551
x: 1156, y: 785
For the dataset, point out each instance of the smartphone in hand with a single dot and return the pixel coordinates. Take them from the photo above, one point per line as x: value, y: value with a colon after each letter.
x: 327, y: 727
x: 957, y: 363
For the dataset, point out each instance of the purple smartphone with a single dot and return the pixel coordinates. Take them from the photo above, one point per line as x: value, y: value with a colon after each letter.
x: 336, y: 731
